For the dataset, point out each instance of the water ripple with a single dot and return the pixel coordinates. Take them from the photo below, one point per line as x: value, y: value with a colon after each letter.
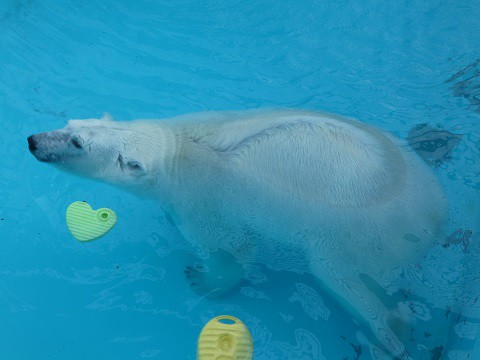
x: 311, y: 302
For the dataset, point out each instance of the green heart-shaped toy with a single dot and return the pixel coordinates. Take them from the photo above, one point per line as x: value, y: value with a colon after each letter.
x: 87, y: 224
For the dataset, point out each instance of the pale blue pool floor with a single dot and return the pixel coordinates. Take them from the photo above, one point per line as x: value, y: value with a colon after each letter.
x: 392, y: 65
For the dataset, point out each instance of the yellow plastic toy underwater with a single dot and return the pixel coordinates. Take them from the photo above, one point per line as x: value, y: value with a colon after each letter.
x: 225, y: 338
x: 87, y: 224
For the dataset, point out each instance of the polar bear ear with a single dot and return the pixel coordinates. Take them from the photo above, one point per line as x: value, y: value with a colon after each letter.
x: 106, y: 117
x: 135, y: 167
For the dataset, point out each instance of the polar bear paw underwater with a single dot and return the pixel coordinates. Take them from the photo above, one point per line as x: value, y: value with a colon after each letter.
x: 352, y: 199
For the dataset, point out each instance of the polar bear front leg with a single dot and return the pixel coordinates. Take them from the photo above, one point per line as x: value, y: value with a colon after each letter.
x: 215, y: 276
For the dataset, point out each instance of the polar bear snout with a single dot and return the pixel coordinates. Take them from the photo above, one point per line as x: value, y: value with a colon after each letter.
x: 38, y: 148
x: 51, y: 146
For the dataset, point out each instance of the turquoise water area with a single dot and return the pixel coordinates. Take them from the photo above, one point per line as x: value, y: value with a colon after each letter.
x: 391, y: 64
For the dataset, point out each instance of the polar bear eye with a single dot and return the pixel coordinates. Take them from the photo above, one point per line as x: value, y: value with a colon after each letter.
x: 77, y: 141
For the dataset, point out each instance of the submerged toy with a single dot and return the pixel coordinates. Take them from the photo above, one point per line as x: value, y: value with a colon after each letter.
x: 87, y: 224
x: 225, y: 338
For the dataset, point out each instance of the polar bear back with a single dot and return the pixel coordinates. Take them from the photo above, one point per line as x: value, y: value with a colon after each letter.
x: 350, y: 189
x: 320, y: 157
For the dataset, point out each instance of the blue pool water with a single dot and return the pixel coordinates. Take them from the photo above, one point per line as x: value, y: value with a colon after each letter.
x: 392, y: 64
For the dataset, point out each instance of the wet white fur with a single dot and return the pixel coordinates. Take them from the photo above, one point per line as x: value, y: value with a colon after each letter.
x: 353, y: 200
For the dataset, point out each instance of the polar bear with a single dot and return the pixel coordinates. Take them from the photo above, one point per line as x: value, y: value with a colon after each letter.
x: 348, y: 199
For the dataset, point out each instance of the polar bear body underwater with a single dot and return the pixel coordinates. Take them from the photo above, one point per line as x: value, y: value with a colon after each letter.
x: 351, y: 199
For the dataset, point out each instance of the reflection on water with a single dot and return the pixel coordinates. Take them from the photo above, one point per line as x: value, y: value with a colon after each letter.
x: 311, y: 302
x: 466, y: 84
x: 433, y: 145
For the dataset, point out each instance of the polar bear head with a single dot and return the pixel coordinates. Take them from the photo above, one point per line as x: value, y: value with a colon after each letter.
x: 123, y: 153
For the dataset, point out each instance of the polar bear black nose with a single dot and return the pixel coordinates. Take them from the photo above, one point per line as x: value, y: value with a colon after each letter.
x: 32, y: 144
